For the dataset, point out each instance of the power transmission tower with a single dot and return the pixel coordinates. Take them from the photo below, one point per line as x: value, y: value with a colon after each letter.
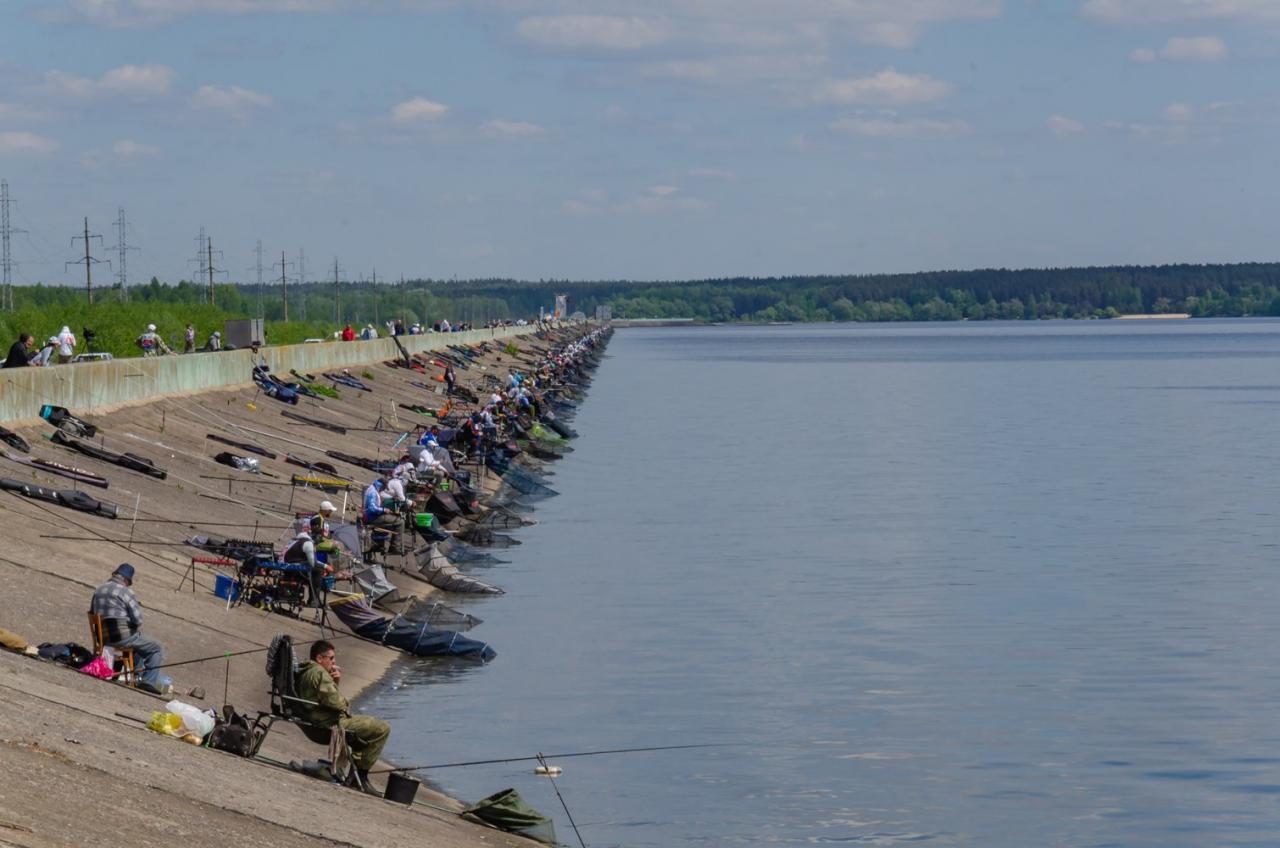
x: 337, y: 293
x: 404, y: 310
x: 208, y: 246
x: 302, y: 284
x: 200, y: 257
x: 6, y: 258
x: 122, y: 248
x: 258, y: 252
x: 88, y: 260
x: 284, y: 283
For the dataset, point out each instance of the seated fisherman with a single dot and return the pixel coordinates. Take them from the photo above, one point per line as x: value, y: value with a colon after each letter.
x: 395, y: 488
x: 122, y: 625
x: 374, y: 513
x: 303, y: 550
x: 318, y: 682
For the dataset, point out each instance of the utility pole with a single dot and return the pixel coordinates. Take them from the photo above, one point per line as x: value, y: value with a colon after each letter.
x: 337, y: 294
x: 302, y: 284
x: 208, y: 247
x: 122, y: 249
x: 6, y: 258
x: 258, y: 252
x: 284, y: 284
x: 88, y: 260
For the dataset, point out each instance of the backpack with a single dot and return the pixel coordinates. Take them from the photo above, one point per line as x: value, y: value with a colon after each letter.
x: 235, y: 734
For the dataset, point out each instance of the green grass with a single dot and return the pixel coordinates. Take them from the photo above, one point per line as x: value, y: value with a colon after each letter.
x: 117, y: 325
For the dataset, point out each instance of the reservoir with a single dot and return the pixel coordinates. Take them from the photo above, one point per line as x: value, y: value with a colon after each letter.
x: 997, y: 584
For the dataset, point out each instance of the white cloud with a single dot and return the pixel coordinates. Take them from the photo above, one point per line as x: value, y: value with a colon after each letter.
x: 654, y: 199
x: 232, y: 100
x: 886, y: 88
x: 724, y: 70
x: 1179, y: 113
x: 15, y: 143
x: 417, y: 110
x: 603, y: 24
x: 1060, y: 125
x: 1166, y: 133
x: 11, y: 113
x: 712, y: 174
x: 136, y: 81
x: 600, y: 32
x: 136, y: 13
x: 517, y: 129
x: 129, y: 148
x: 892, y: 127
x: 1205, y: 48
x: 1173, y: 11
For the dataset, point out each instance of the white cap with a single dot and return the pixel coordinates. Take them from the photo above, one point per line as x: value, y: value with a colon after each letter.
x: 325, y: 506
x: 151, y: 328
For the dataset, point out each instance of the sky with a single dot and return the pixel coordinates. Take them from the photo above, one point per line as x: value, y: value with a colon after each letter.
x: 646, y: 139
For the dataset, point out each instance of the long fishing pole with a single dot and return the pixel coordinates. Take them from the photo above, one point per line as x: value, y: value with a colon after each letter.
x: 228, y: 654
x: 203, y: 523
x: 122, y: 542
x: 572, y: 823
x: 556, y: 756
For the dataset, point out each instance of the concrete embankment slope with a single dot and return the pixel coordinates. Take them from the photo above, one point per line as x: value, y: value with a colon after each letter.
x: 91, y: 386
x: 80, y: 768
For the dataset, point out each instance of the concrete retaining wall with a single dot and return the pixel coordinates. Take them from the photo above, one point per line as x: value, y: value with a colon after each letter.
x: 87, y: 387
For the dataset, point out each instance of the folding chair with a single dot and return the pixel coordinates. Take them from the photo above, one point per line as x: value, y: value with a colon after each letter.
x: 124, y: 656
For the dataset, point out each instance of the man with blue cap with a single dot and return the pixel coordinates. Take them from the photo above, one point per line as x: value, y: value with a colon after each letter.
x: 121, y: 616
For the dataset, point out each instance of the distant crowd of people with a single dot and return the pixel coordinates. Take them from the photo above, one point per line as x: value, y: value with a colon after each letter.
x: 61, y: 348
x: 399, y: 328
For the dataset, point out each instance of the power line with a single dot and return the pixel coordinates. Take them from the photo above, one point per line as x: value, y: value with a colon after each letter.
x: 88, y: 261
x: 122, y: 248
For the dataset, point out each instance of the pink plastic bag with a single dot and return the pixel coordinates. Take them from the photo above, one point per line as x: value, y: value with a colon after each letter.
x: 98, y: 667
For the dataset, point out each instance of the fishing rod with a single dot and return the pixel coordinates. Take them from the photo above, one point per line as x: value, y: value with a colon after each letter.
x: 546, y: 770
x: 228, y: 654
x: 556, y: 756
x: 204, y: 523
x: 123, y: 542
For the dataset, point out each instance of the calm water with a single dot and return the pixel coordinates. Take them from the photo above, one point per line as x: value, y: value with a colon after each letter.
x: 999, y: 585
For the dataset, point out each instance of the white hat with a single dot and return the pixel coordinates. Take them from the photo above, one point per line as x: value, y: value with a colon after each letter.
x: 325, y: 506
x: 151, y: 328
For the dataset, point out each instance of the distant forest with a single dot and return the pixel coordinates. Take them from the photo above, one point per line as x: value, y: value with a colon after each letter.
x: 993, y: 294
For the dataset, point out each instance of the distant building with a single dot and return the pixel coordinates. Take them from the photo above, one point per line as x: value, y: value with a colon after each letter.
x: 604, y: 313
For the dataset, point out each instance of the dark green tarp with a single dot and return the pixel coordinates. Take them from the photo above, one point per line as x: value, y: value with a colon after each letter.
x: 508, y: 811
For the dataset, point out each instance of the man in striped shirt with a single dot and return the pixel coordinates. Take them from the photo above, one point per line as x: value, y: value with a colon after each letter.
x: 122, y: 625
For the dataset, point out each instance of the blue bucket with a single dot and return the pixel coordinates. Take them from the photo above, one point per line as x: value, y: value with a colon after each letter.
x: 226, y: 587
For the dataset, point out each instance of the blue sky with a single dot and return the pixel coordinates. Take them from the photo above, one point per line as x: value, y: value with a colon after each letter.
x: 648, y: 139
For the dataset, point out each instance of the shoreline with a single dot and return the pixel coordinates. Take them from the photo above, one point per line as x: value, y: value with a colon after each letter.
x: 90, y: 736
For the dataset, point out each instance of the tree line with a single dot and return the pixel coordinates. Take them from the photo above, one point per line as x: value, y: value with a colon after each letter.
x: 319, y: 309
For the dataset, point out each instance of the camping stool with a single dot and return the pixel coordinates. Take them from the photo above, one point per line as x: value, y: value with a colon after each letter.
x: 124, y: 656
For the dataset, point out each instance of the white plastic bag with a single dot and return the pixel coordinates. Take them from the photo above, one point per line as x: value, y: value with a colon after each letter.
x: 194, y: 720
